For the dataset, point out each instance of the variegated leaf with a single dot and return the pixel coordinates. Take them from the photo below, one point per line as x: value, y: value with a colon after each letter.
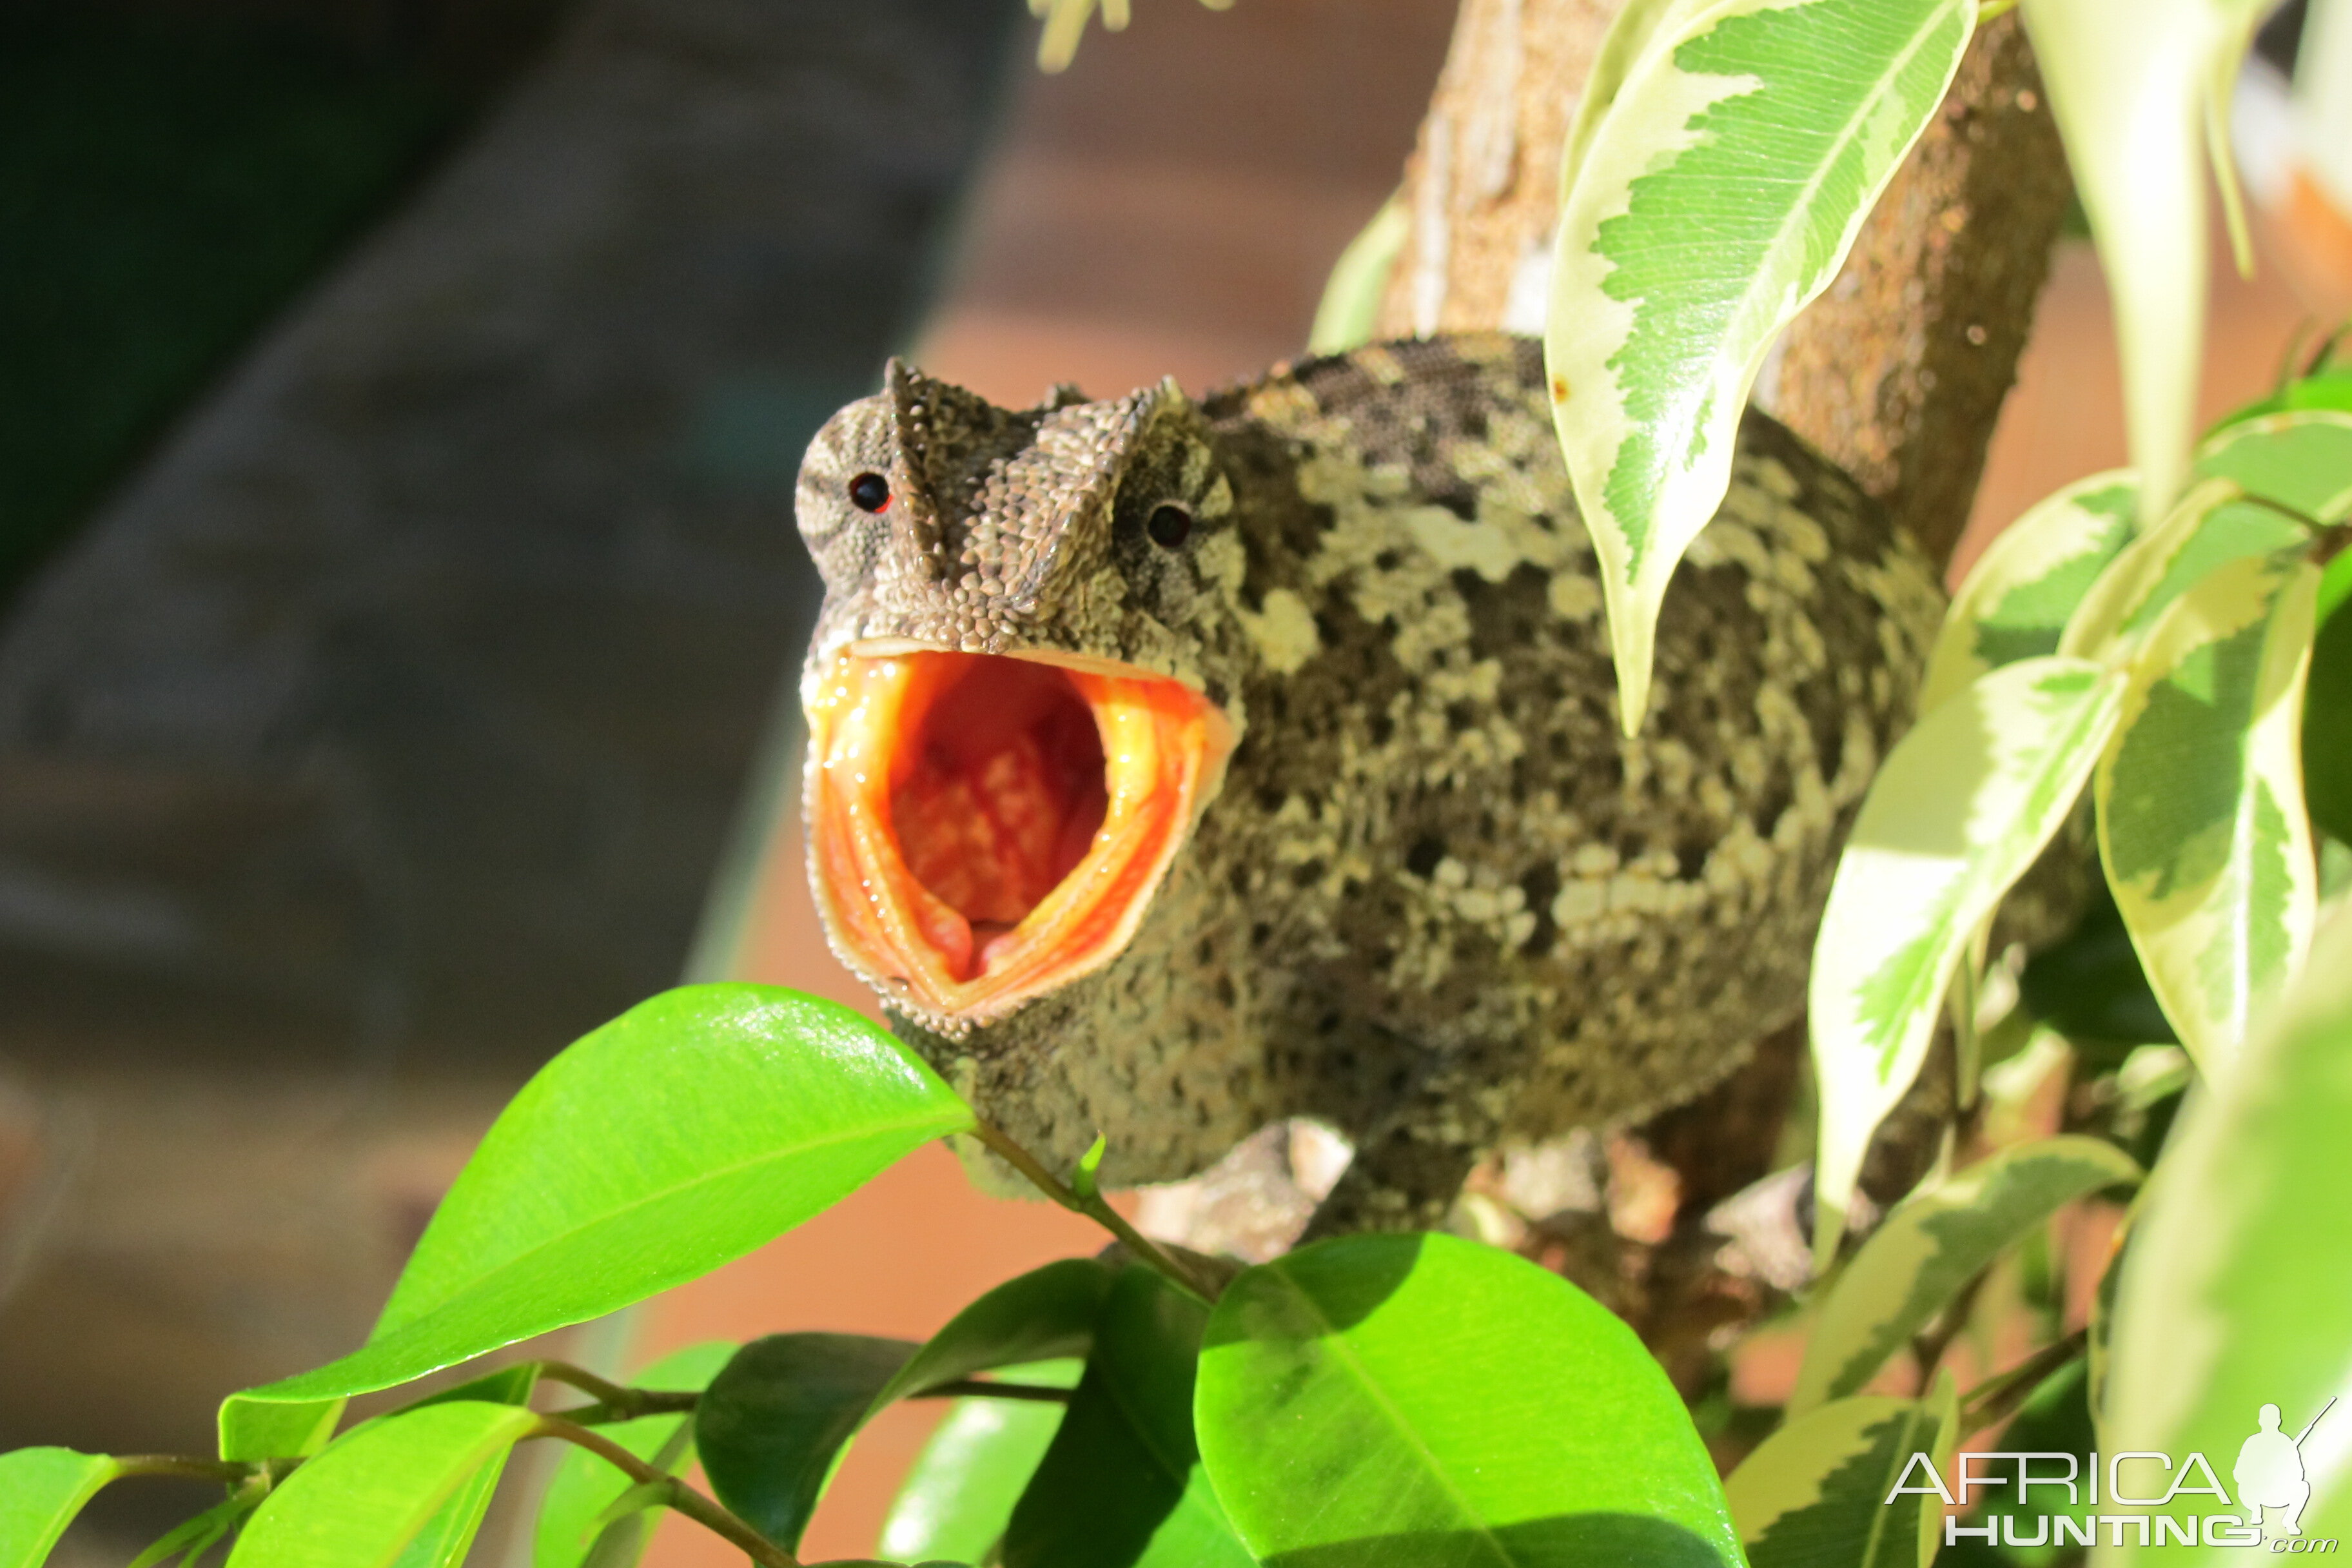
x: 1961, y: 807
x: 2301, y: 459
x: 2022, y: 590
x: 2127, y: 81
x: 2201, y: 821
x: 1933, y: 1244
x: 1632, y: 32
x: 1351, y: 307
x: 2241, y: 1260
x: 1820, y: 1489
x: 1720, y: 193
x: 2212, y: 523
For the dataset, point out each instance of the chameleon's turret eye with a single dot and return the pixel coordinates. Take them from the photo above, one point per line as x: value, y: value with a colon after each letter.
x: 1169, y: 524
x: 869, y: 492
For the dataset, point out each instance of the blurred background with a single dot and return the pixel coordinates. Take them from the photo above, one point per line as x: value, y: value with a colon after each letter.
x: 399, y: 597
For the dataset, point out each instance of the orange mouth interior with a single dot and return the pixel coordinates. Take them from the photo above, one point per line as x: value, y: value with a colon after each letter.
x: 985, y: 829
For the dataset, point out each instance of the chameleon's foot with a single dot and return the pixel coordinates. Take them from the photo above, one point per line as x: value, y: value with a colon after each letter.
x: 1397, y: 1181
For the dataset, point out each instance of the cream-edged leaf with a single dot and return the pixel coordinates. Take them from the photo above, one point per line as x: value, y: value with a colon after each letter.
x: 2212, y: 523
x: 2301, y: 459
x: 1933, y: 1244
x: 2018, y: 597
x: 1823, y: 1488
x: 2127, y: 82
x: 1632, y: 32
x: 2240, y: 1261
x: 1720, y: 193
x: 1963, y: 804
x: 1349, y: 309
x: 2201, y: 821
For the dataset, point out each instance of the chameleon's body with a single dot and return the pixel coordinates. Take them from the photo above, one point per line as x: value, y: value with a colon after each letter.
x: 1439, y: 899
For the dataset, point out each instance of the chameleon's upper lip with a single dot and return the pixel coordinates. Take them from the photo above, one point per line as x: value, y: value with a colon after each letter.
x: 986, y: 828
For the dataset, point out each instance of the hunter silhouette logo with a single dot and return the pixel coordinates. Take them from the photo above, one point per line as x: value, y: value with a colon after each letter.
x: 2131, y: 1495
x: 2268, y: 1472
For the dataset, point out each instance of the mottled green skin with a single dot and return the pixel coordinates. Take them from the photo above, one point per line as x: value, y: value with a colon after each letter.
x: 1440, y: 901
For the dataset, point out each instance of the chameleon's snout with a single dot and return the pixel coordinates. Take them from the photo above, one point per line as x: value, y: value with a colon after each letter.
x: 985, y: 829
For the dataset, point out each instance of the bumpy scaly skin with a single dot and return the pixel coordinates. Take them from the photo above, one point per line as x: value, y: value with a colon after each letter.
x: 1439, y: 902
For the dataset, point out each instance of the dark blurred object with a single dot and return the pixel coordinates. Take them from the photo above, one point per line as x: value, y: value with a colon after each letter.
x: 166, y: 181
x: 407, y: 692
x: 383, y: 731
x: 2090, y: 986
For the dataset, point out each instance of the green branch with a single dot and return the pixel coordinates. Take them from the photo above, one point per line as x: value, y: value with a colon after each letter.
x: 671, y: 1493
x: 1093, y: 1206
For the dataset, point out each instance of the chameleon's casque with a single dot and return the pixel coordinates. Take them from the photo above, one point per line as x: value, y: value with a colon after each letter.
x: 1176, y: 768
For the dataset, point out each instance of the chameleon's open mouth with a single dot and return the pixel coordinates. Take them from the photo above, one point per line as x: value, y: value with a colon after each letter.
x: 985, y: 829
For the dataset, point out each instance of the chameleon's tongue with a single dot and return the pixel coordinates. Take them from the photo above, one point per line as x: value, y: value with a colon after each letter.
x: 985, y: 829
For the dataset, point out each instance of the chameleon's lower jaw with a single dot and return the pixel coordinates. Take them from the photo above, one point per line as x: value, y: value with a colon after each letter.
x: 985, y: 829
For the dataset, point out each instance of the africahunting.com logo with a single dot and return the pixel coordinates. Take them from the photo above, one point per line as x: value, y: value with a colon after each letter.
x: 2273, y: 1492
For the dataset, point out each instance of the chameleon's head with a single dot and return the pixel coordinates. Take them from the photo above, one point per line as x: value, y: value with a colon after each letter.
x: 1017, y: 692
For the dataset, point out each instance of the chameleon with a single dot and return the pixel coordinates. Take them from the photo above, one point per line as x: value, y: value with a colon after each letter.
x: 1177, y: 766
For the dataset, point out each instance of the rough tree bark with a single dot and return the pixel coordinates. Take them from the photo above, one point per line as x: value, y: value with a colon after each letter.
x: 1898, y: 373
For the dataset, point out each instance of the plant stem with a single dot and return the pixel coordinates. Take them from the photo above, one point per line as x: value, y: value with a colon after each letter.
x: 613, y: 1403
x: 228, y: 1472
x: 655, y: 1403
x: 1094, y: 1209
x: 675, y: 1494
x: 1997, y: 1397
x: 974, y: 1388
x: 2310, y: 524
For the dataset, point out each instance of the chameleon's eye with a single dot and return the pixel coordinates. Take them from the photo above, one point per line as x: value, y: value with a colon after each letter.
x: 869, y: 492
x: 1168, y: 525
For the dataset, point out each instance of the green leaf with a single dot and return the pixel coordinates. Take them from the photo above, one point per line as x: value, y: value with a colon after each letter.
x: 1961, y: 807
x: 1816, y: 1491
x: 958, y: 1496
x: 1350, y: 311
x: 1769, y: 127
x: 264, y: 1429
x: 2026, y: 586
x: 363, y: 1499
x: 1441, y: 1403
x: 449, y: 1534
x: 584, y: 1486
x: 1934, y: 1242
x: 191, y: 1539
x: 2201, y: 823
x: 2128, y: 81
x: 41, y: 1491
x: 692, y: 1129
x: 2242, y: 1257
x: 1042, y: 1315
x: 772, y: 1427
x: 1121, y: 1484
x: 773, y: 1423
x: 1636, y: 26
